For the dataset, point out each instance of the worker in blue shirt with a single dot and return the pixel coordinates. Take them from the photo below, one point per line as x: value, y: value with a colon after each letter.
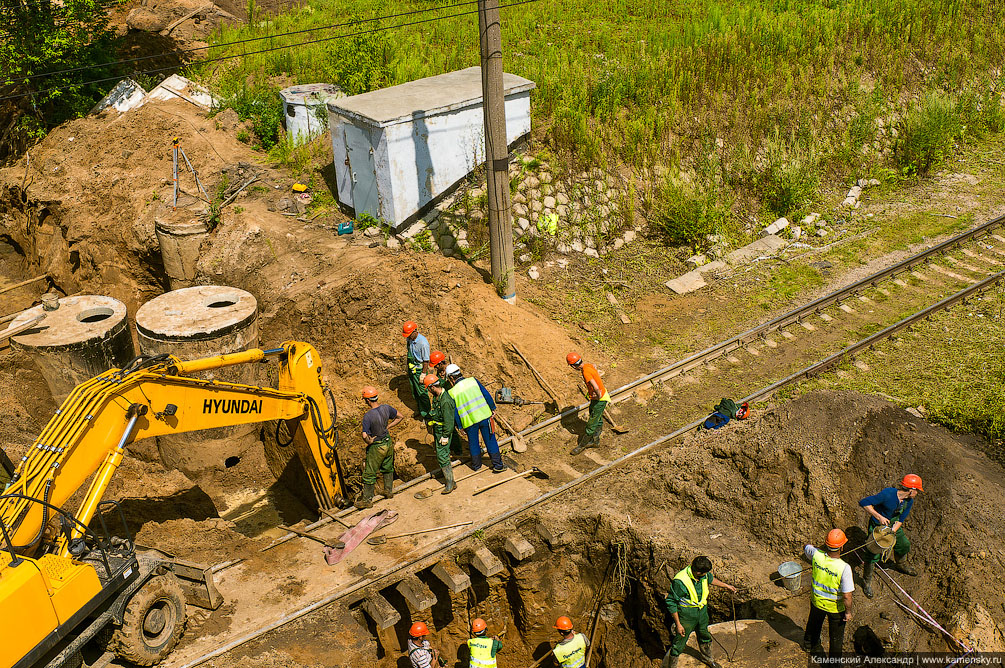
x: 475, y: 409
x: 417, y: 365
x: 890, y: 508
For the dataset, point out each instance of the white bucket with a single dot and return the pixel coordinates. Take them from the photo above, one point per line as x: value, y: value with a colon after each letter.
x: 792, y: 575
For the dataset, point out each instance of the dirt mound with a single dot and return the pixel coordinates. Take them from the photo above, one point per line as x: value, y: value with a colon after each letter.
x: 205, y: 542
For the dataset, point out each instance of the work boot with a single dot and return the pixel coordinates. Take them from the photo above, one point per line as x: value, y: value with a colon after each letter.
x: 670, y: 661
x: 867, y: 570
x: 389, y: 485
x: 900, y: 564
x: 706, y: 655
x: 585, y: 442
x: 365, y: 498
x: 448, y: 480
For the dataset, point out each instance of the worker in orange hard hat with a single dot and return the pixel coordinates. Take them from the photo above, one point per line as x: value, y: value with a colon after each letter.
x: 599, y: 398
x: 687, y: 603
x: 443, y: 420
x: 438, y: 361
x: 482, y: 649
x: 830, y: 599
x: 570, y: 652
x: 420, y: 653
x: 890, y: 508
x: 417, y: 365
x: 376, y: 425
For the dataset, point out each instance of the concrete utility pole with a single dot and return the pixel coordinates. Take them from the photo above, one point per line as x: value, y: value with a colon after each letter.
x: 496, y: 149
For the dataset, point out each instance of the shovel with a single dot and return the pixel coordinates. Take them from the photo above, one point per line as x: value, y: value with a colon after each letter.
x: 535, y: 471
x: 380, y: 540
x: 338, y: 545
x: 519, y: 445
x: 426, y: 493
x: 615, y: 427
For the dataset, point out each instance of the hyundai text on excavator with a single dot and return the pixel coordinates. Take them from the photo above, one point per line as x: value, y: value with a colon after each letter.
x: 64, y: 583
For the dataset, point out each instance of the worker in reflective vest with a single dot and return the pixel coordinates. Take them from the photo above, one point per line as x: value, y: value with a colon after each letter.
x: 831, y: 596
x: 482, y: 650
x: 687, y: 602
x: 475, y: 408
x: 571, y: 649
x: 417, y: 364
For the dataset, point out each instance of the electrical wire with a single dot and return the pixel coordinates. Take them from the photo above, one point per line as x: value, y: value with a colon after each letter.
x: 180, y: 52
x: 259, y: 51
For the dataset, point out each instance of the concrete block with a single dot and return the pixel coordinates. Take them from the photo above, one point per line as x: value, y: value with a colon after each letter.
x: 764, y: 246
x: 450, y: 574
x: 485, y: 562
x: 381, y: 611
x: 519, y: 547
x: 552, y: 537
x: 776, y: 227
x: 689, y: 282
x: 418, y: 595
x: 714, y: 265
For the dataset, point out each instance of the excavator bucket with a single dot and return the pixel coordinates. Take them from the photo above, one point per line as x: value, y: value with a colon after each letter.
x: 197, y: 583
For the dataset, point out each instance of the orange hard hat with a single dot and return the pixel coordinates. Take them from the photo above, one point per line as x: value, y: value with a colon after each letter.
x: 418, y: 629
x: 912, y: 481
x: 836, y: 538
x: 563, y: 623
x: 478, y: 625
x: 408, y: 328
x: 369, y: 392
x: 573, y: 359
x: 436, y: 357
x: 429, y: 379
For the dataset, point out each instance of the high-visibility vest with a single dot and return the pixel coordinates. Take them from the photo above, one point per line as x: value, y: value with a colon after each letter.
x: 827, y: 582
x: 481, y: 653
x: 694, y: 601
x: 572, y: 654
x: 471, y: 405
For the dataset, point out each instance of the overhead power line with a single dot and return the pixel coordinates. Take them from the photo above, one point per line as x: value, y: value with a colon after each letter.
x: 182, y: 52
x: 259, y: 51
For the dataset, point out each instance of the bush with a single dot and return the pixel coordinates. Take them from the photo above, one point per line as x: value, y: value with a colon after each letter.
x: 788, y: 187
x: 685, y: 213
x: 927, y: 134
x: 261, y: 104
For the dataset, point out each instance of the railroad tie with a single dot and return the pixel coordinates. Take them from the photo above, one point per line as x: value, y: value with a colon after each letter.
x: 951, y: 274
x: 825, y: 317
x: 485, y: 562
x: 418, y: 596
x: 380, y: 610
x: 450, y: 574
x: 982, y: 258
x: 519, y: 547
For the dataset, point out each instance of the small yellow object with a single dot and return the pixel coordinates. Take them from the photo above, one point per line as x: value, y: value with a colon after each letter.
x: 299, y: 187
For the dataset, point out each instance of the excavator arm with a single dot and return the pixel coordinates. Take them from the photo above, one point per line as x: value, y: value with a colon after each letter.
x: 153, y: 397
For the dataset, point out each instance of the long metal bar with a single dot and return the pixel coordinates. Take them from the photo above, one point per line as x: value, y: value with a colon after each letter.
x: 436, y: 551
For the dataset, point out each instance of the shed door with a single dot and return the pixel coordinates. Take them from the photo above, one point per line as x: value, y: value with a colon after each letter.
x: 362, y: 172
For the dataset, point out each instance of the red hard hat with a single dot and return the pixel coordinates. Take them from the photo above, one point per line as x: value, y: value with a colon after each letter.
x: 912, y: 481
x: 418, y: 630
x: 436, y: 357
x: 836, y: 538
x: 408, y: 328
x: 429, y: 379
x: 563, y: 623
x: 478, y: 625
x: 573, y: 358
x: 369, y: 392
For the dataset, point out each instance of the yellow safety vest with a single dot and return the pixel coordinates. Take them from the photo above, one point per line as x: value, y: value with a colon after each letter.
x: 684, y: 575
x: 827, y: 582
x: 471, y: 405
x: 572, y: 654
x: 481, y: 653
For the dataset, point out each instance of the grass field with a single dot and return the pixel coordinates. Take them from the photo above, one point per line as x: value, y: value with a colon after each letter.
x: 744, y: 106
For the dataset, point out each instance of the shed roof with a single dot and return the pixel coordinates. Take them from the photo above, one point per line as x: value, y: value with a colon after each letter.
x: 415, y: 99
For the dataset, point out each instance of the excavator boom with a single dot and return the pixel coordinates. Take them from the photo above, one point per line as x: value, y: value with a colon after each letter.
x: 154, y: 397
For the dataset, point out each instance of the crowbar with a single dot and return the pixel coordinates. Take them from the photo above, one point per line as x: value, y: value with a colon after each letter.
x: 380, y: 540
x: 535, y: 471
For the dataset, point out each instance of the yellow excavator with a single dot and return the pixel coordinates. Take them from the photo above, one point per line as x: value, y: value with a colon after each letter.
x: 64, y: 582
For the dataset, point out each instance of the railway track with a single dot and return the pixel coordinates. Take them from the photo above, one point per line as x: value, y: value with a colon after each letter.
x: 967, y: 265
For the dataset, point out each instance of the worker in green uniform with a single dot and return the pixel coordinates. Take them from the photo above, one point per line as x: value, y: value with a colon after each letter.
x: 376, y: 425
x: 417, y: 365
x: 687, y: 602
x: 482, y: 649
x: 442, y: 417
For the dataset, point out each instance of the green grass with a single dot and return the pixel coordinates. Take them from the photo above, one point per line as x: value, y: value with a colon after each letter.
x: 750, y: 105
x: 952, y: 365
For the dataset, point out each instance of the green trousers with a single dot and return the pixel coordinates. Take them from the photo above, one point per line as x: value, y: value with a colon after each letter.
x: 419, y: 391
x: 692, y: 619
x: 379, y: 457
x: 900, y: 548
x: 595, y: 423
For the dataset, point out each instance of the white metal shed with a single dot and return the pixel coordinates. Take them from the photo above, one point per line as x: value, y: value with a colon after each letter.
x: 397, y: 149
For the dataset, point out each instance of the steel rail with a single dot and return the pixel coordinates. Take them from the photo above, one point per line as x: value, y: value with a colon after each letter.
x: 780, y: 322
x: 434, y: 554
